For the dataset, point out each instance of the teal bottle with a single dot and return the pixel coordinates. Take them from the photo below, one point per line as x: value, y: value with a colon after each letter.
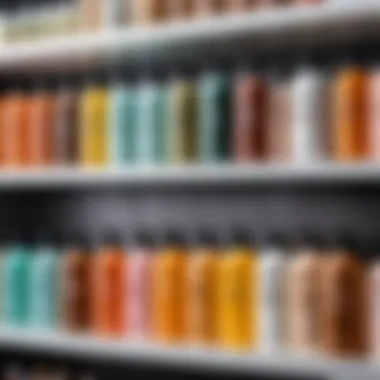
x: 44, y: 286
x: 151, y: 122
x: 214, y: 117
x: 16, y: 285
x: 123, y: 110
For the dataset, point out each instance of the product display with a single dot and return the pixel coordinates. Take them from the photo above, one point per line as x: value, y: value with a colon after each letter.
x: 303, y: 295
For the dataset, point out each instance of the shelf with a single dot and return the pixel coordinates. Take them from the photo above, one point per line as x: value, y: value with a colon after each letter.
x: 181, y: 357
x: 256, y: 28
x: 192, y: 175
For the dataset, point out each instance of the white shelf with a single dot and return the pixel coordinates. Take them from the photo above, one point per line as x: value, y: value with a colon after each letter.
x: 192, y: 175
x: 346, y: 17
x: 185, y: 357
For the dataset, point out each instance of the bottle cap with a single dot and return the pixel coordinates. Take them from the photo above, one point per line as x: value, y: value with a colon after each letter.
x: 241, y: 236
x: 207, y: 237
x: 174, y: 237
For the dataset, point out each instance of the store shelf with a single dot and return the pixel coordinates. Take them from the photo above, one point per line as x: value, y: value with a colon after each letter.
x: 192, y: 175
x: 84, y: 347
x: 349, y: 18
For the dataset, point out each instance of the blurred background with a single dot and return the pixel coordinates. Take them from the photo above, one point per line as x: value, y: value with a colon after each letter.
x: 189, y: 188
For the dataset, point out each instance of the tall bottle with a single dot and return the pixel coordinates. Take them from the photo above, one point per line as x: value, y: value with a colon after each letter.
x: 66, y: 125
x: 272, y: 297
x: 344, y: 301
x: 139, y: 286
x: 109, y: 276
x: 94, y: 123
x: 250, y: 115
x: 202, y: 290
x: 45, y: 285
x: 150, y: 11
x: 151, y: 120
x: 16, y: 284
x: 169, y: 290
x: 182, y: 118
x: 123, y: 121
x: 348, y: 113
x: 302, y: 296
x: 75, y: 278
x: 238, y: 295
x: 310, y: 114
x: 214, y: 116
x: 373, y: 131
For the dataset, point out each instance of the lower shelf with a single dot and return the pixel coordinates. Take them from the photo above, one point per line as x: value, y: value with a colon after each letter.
x: 90, y: 348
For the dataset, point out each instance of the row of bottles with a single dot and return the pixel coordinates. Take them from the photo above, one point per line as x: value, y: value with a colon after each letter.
x: 44, y: 372
x: 26, y: 19
x: 296, y: 295
x: 248, y: 115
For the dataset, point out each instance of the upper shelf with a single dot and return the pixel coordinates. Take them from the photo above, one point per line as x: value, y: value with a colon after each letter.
x: 264, y: 28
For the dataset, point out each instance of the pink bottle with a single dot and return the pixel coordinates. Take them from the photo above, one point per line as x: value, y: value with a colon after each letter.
x: 139, y: 287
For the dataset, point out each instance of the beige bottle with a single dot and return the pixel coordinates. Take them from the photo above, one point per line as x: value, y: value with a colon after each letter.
x: 344, y: 299
x: 302, y: 297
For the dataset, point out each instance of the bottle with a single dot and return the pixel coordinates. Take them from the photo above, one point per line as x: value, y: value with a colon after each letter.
x: 123, y: 126
x: 309, y: 92
x: 44, y: 285
x: 214, y: 117
x: 278, y: 139
x: 147, y: 12
x: 202, y: 290
x: 250, y: 115
x: 16, y: 284
x: 238, y: 294
x: 109, y: 276
x: 66, y: 124
x: 169, y: 290
x: 182, y: 119
x: 90, y: 15
x: 348, y: 112
x: 344, y: 300
x: 181, y: 9
x: 210, y: 7
x: 139, y: 287
x: 302, y: 295
x: 273, y: 267
x: 75, y: 277
x: 151, y: 121
x: 41, y: 138
x: 94, y: 123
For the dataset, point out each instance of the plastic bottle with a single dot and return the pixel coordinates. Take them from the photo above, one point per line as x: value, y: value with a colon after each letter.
x: 202, y: 290
x: 75, y: 278
x: 45, y: 285
x: 109, y: 276
x: 16, y: 284
x: 272, y: 298
x: 139, y: 287
x: 238, y: 294
x: 94, y: 123
x: 169, y: 290
x: 214, y: 116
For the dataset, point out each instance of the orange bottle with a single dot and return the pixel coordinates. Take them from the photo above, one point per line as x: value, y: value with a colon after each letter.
x: 349, y: 114
x: 109, y: 289
x: 169, y: 291
x: 14, y: 125
x: 201, y: 290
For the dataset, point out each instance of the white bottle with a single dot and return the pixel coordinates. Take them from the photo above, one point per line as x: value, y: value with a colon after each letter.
x: 272, y: 273
x: 309, y: 94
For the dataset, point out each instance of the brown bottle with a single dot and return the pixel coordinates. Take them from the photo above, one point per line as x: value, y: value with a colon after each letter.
x: 180, y: 9
x: 66, y: 131
x: 210, y: 7
x: 150, y: 11
x: 344, y: 300
x: 250, y: 105
x: 76, y: 285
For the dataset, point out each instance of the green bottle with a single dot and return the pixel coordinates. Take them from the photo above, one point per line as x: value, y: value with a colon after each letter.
x: 44, y: 285
x: 16, y: 285
x: 151, y: 122
x: 214, y: 117
x: 123, y: 133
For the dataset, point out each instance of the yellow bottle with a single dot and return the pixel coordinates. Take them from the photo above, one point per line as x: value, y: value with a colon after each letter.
x: 201, y: 290
x: 94, y: 125
x: 169, y: 291
x: 238, y: 295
